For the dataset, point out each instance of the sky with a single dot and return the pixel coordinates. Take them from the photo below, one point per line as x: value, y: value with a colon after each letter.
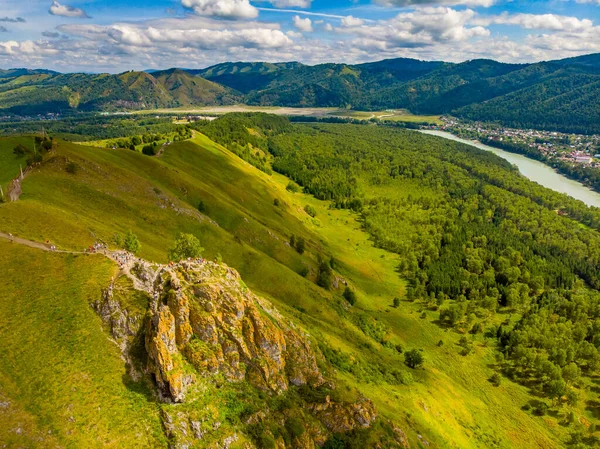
x: 119, y: 35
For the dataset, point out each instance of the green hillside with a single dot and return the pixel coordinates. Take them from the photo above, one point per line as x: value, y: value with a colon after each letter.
x: 562, y: 93
x: 389, y: 213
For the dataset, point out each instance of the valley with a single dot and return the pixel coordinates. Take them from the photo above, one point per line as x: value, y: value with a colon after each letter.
x: 382, y: 231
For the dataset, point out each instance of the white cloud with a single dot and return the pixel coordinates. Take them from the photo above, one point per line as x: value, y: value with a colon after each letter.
x: 293, y: 34
x: 405, y: 3
x: 551, y: 22
x: 328, y: 27
x: 352, y: 21
x: 57, y: 9
x: 229, y: 9
x: 303, y: 24
x: 421, y: 28
x: 291, y: 3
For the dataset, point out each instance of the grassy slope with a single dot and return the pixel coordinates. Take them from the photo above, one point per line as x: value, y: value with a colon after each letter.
x: 9, y: 163
x: 62, y: 377
x: 451, y: 403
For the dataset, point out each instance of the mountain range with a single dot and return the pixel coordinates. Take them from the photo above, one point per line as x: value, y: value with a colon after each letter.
x: 562, y: 95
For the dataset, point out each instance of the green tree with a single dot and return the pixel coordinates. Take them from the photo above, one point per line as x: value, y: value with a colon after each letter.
x: 310, y: 210
x: 300, y: 245
x: 396, y: 302
x: 131, y: 242
x: 413, y: 358
x: 349, y: 295
x: 186, y: 245
x: 325, y: 275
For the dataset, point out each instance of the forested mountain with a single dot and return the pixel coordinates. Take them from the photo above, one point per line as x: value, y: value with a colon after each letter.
x: 32, y: 93
x: 559, y: 95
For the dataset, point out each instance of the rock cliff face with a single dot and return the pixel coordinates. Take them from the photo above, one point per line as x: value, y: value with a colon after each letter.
x: 203, y: 329
x: 203, y: 316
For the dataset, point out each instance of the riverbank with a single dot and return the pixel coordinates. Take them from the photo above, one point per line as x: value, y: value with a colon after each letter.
x: 534, y: 170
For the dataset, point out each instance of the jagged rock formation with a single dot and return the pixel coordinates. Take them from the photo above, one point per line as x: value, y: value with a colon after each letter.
x: 204, y: 316
x: 340, y: 418
x: 203, y: 326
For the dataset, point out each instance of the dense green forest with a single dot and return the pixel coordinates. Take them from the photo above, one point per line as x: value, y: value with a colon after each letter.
x: 476, y: 240
x: 557, y: 95
x: 86, y: 127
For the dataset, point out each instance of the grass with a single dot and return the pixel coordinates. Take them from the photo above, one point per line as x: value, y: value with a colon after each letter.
x: 64, y: 380
x: 9, y: 162
x: 450, y: 403
x: 401, y: 115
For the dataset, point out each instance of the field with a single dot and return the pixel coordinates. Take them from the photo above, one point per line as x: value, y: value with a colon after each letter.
x: 10, y: 163
x: 450, y: 403
x: 392, y: 115
x: 61, y: 379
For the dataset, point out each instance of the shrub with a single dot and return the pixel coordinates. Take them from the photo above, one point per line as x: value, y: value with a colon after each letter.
x: 72, y: 168
x: 325, y: 273
x: 541, y: 409
x: 186, y: 245
x: 350, y: 296
x: 131, y: 242
x: 300, y: 244
x: 276, y: 202
x: 396, y: 303
x: 202, y: 207
x: 295, y: 427
x: 149, y: 150
x: 304, y: 271
x: 20, y: 150
x: 413, y: 358
x: 310, y: 210
x: 495, y: 380
x: 293, y: 187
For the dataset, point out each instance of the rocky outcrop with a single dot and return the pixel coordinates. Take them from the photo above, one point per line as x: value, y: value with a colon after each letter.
x: 205, y: 321
x: 203, y: 326
x: 343, y: 417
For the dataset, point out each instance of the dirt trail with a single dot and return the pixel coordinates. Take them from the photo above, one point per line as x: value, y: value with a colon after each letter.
x: 14, y: 190
x: 126, y: 261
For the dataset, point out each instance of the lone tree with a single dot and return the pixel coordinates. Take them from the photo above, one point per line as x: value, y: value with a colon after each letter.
x: 349, y: 296
x: 186, y: 245
x: 131, y: 242
x: 413, y: 358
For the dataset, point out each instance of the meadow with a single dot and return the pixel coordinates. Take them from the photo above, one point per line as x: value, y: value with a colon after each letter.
x: 49, y: 328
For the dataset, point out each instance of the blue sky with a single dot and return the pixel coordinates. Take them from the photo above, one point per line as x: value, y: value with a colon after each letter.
x: 119, y: 35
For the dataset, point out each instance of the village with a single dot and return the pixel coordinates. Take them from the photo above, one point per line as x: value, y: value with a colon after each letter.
x: 551, y: 145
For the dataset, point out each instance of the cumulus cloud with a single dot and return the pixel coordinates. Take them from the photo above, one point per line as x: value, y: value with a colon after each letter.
x: 12, y: 20
x: 423, y: 32
x: 352, y: 21
x: 228, y: 9
x: 181, y: 34
x: 51, y: 35
x: 551, y: 22
x: 420, y: 28
x: 405, y: 3
x: 303, y: 24
x: 57, y: 9
x: 291, y: 3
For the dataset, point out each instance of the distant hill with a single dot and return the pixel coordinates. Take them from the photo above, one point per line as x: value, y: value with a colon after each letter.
x: 32, y: 94
x: 553, y: 94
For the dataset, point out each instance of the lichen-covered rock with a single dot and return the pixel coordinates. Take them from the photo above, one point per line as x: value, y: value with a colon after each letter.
x: 203, y: 316
x: 344, y: 417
